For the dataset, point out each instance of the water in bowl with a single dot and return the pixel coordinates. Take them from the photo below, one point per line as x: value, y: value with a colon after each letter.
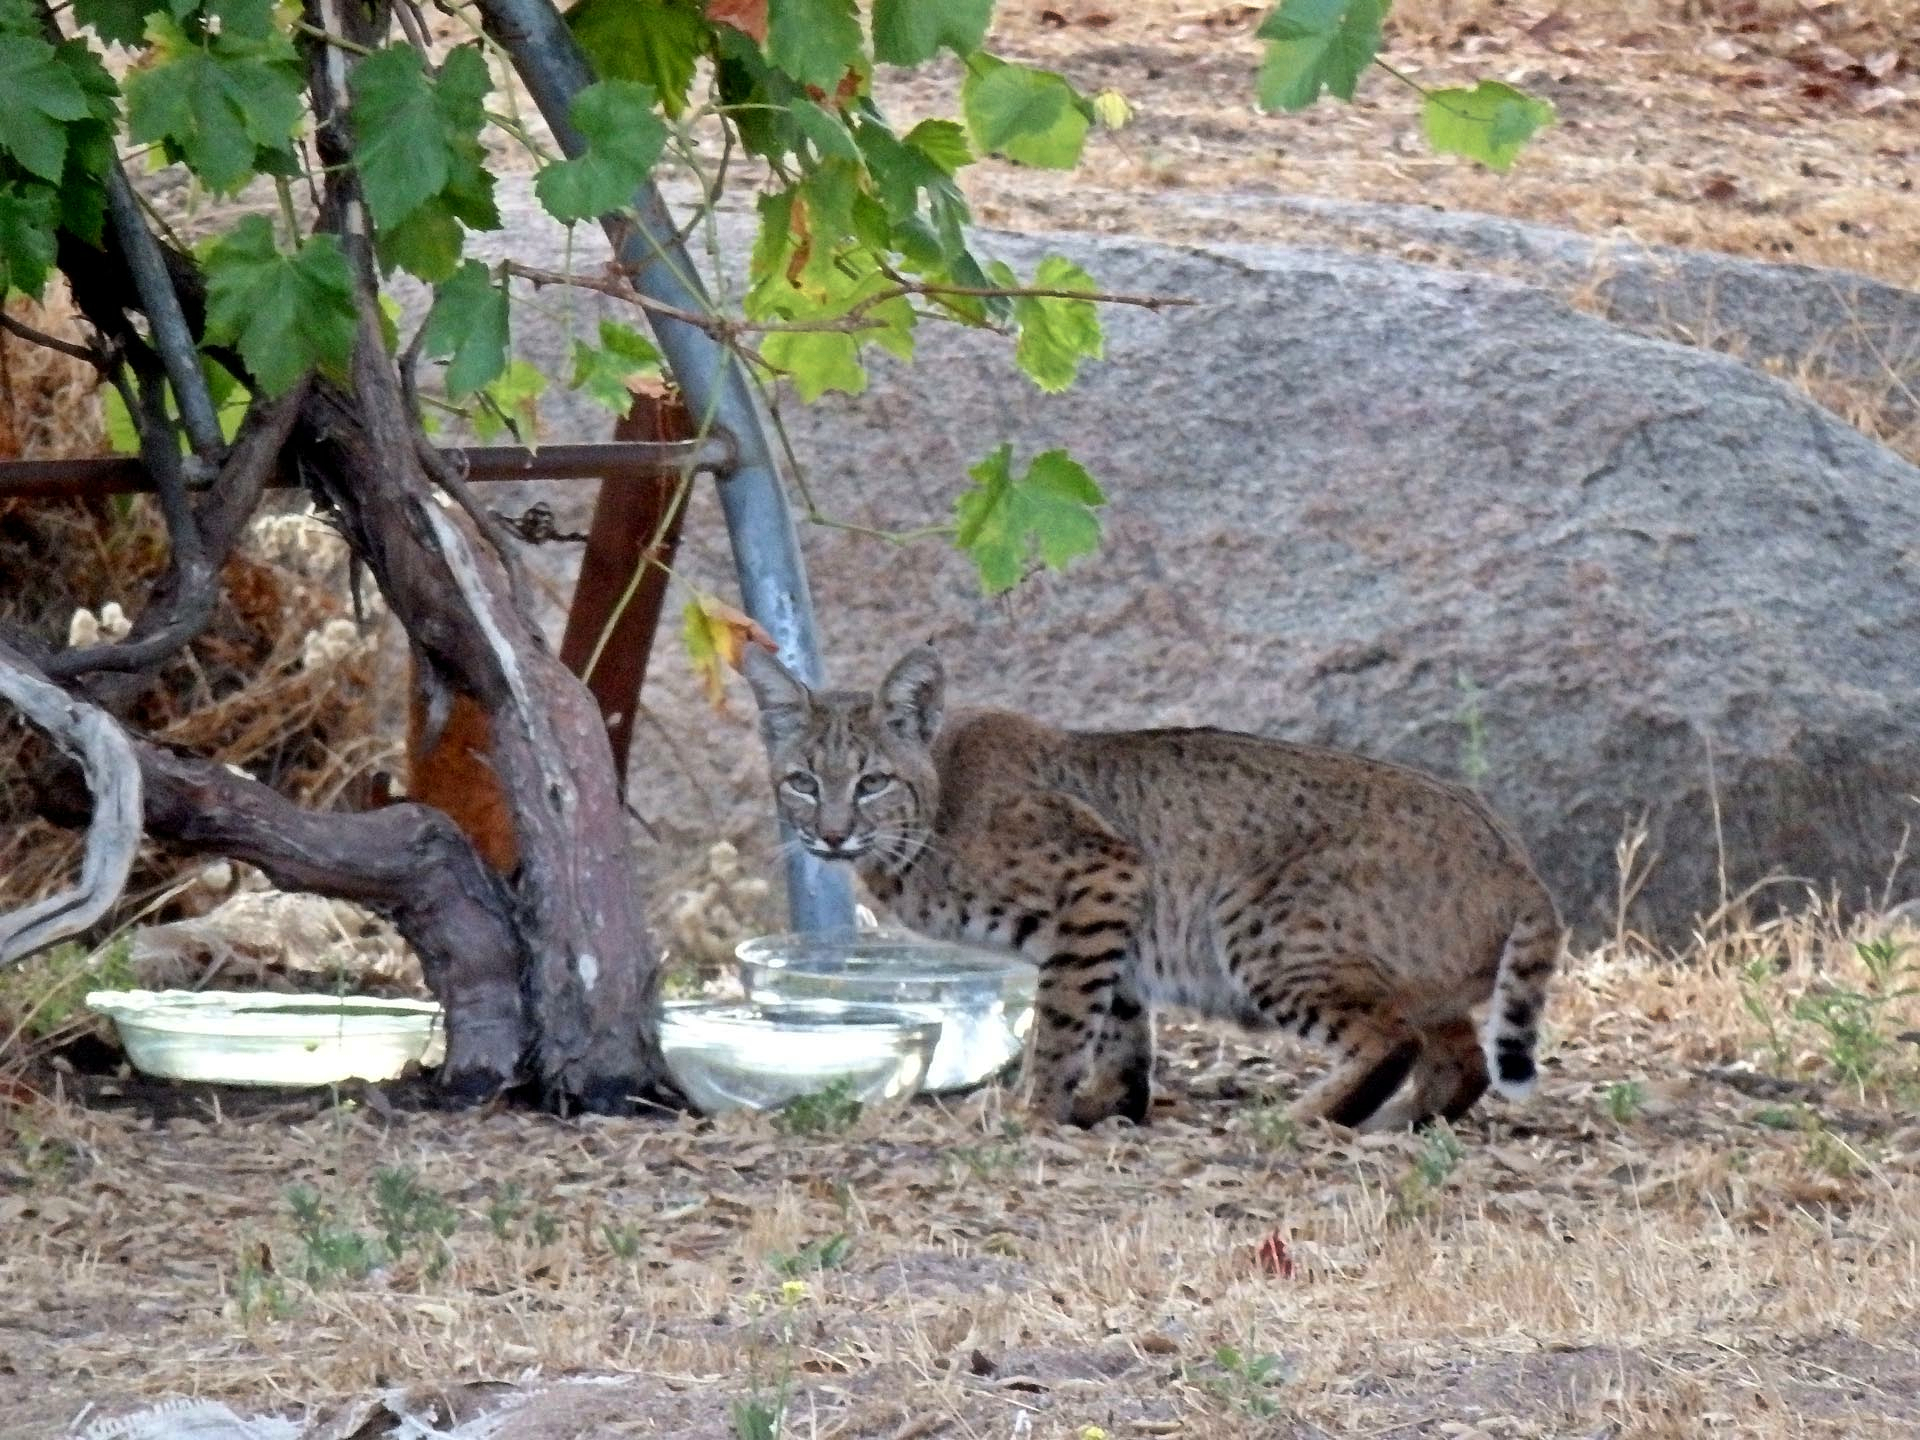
x: 982, y: 1001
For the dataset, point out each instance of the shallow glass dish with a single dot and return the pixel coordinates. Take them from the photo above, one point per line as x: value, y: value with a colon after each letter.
x: 229, y: 1037
x: 728, y: 1056
x: 982, y: 1001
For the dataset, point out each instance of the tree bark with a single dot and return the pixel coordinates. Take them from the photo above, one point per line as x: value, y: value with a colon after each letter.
x: 591, y: 970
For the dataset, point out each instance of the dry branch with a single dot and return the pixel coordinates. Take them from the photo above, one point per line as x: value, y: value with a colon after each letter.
x: 103, y: 752
x: 407, y: 862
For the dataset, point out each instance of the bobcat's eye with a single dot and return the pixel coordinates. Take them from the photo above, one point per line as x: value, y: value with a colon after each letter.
x: 872, y: 785
x: 801, y: 783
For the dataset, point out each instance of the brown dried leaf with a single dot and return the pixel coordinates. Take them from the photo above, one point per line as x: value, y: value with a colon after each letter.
x: 749, y: 17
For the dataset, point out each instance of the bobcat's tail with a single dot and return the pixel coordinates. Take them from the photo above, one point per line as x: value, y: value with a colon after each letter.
x: 1512, y: 1029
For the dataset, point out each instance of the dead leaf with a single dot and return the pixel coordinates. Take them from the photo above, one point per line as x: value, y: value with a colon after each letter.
x: 1720, y: 189
x: 1273, y: 1256
x: 717, y: 635
x: 749, y: 17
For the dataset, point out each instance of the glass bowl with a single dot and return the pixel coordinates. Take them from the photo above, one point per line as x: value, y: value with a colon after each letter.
x: 231, y: 1037
x: 982, y: 1001
x: 728, y: 1056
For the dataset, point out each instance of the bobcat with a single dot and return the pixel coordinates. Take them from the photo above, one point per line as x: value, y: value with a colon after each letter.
x: 1363, y: 905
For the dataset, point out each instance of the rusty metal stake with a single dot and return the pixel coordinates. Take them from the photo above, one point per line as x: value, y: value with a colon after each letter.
x: 621, y: 555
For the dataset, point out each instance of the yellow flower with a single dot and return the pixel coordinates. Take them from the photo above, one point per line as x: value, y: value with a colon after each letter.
x: 792, y: 1292
x: 1092, y: 1432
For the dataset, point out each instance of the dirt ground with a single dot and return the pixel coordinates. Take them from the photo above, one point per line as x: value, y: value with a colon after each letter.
x: 1708, y: 1219
x: 1780, y: 129
x: 1707, y: 1222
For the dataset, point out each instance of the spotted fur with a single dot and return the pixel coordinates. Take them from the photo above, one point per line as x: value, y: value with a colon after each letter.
x: 1362, y: 905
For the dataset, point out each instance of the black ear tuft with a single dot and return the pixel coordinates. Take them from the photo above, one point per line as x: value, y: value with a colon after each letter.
x: 913, y: 694
x: 784, y: 702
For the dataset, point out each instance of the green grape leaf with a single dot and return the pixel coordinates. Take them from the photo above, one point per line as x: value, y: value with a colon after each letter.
x: 911, y: 32
x: 83, y: 182
x: 41, y: 98
x: 757, y: 96
x: 1002, y: 522
x: 1032, y: 116
x: 624, y: 139
x: 606, y: 371
x: 27, y: 242
x: 1316, y: 45
x: 816, y: 361
x: 828, y: 132
x: 230, y: 400
x: 943, y: 142
x: 222, y: 103
x: 468, y: 322
x: 124, y: 22
x: 427, y: 243
x: 418, y: 134
x: 652, y: 42
x: 814, y: 41
x: 1489, y: 123
x: 1055, y: 334
x: 286, y: 313
x: 511, y: 402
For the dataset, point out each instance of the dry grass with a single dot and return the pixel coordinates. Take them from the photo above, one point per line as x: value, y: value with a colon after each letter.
x: 1697, y: 1217
x: 1767, y: 128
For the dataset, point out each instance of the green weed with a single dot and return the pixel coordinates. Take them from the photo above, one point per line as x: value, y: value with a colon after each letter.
x: 1624, y: 1099
x: 1244, y: 1380
x: 831, y: 1110
x: 816, y: 1255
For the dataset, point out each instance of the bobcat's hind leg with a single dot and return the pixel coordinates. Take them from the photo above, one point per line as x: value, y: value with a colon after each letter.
x: 1448, y: 1079
x: 1345, y: 1008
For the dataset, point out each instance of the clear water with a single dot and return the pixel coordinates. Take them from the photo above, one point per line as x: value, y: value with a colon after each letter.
x: 983, y: 1002
x: 759, y: 1056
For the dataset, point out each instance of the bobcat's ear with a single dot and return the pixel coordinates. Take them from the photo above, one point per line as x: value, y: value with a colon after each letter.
x: 784, y: 702
x: 912, y: 694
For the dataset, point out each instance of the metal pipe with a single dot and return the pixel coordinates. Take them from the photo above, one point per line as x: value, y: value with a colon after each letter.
x: 766, y: 551
x: 617, y: 460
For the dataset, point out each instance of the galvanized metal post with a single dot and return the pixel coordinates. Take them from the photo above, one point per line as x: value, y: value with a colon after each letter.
x: 766, y: 552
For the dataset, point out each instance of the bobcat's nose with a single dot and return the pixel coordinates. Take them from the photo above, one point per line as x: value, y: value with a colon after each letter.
x: 833, y: 839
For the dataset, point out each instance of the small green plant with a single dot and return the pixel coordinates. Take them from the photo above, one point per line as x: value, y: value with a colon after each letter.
x: 1831, y: 1154
x: 546, y: 1227
x: 258, y: 1291
x: 1273, y: 1128
x: 1244, y: 1379
x: 1777, y: 1117
x: 505, y: 1209
x: 1473, y: 741
x: 829, y: 1253
x: 332, y: 1252
x: 1624, y: 1101
x: 47, y: 994
x: 623, y: 1240
x: 831, y: 1110
x: 1855, y: 1030
x: 1440, y: 1155
x: 1758, y: 979
x: 413, y: 1217
x: 992, y: 1158
x: 761, y: 1413
x: 42, y: 1159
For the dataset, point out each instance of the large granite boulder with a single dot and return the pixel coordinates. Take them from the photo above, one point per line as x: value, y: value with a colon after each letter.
x: 1433, y: 515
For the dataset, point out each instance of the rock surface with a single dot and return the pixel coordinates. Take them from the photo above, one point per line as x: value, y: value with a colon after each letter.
x: 1791, y: 319
x: 1437, y: 516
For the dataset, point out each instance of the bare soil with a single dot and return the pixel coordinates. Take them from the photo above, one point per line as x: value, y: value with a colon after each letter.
x: 1701, y: 1221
